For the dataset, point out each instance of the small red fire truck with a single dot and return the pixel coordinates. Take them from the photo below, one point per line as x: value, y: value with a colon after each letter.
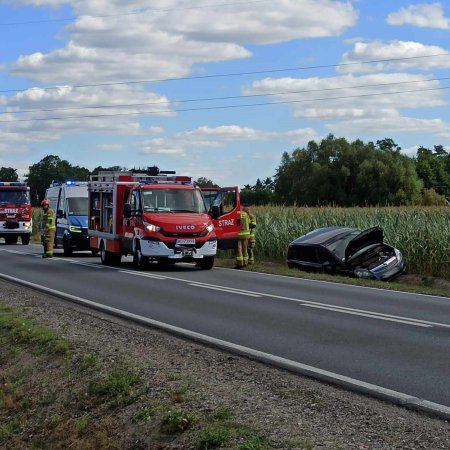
x: 15, y: 212
x: 159, y: 216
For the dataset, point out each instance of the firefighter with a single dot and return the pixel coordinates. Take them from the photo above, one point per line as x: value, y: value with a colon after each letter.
x: 243, y: 236
x: 48, y: 229
x: 252, y: 238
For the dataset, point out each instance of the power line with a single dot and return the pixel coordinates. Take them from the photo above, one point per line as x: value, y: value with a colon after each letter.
x: 209, y: 108
x: 235, y: 97
x: 132, y: 13
x: 223, y: 75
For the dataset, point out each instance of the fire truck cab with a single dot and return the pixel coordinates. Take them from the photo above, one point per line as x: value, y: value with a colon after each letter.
x: 15, y: 212
x: 157, y: 216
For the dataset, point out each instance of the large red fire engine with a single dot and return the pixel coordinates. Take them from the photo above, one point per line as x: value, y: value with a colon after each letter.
x: 15, y: 212
x: 159, y: 216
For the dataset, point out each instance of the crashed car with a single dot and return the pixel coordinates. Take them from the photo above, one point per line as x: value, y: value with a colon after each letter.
x: 346, y: 251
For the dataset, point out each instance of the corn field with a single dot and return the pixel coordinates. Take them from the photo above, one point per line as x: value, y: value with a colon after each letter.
x: 422, y: 234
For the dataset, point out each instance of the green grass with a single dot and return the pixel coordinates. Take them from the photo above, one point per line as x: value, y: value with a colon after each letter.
x: 424, y: 285
x: 214, y: 436
x: 177, y: 421
x: 22, y: 330
x: 117, y: 385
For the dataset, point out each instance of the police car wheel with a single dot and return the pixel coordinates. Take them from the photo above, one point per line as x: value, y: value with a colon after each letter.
x: 67, y: 249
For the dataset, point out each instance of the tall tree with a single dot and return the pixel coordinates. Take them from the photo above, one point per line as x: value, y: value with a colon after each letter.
x: 338, y: 172
x: 205, y: 182
x: 8, y: 174
x: 433, y: 168
x: 51, y: 168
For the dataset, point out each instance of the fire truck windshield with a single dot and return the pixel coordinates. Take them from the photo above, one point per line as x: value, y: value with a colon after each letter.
x: 77, y: 206
x: 173, y: 200
x: 14, y: 197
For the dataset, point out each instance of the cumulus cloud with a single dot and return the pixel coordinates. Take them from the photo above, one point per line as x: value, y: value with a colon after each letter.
x: 209, y: 137
x: 68, y: 110
x: 424, y: 15
x: 167, y: 40
x: 347, y: 96
x: 387, y: 125
x: 419, y: 56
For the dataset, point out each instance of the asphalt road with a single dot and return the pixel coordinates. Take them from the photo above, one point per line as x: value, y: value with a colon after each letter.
x: 375, y: 338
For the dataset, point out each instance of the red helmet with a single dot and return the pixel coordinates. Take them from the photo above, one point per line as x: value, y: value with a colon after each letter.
x: 45, y: 202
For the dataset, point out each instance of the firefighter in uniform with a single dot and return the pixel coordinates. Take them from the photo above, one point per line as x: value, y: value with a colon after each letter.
x: 48, y: 229
x: 243, y: 236
x: 251, y: 239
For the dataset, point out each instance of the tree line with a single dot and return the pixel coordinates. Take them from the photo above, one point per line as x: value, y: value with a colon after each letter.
x: 342, y: 173
x: 332, y: 172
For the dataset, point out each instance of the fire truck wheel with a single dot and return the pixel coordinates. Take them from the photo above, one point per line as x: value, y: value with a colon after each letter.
x: 25, y: 238
x: 139, y: 260
x: 207, y: 263
x: 10, y: 239
x: 67, y: 249
x: 108, y: 257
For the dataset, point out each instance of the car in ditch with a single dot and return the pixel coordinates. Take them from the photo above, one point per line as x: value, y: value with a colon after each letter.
x: 346, y: 251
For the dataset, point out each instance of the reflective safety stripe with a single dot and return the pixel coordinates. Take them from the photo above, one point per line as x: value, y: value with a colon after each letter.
x: 245, y: 229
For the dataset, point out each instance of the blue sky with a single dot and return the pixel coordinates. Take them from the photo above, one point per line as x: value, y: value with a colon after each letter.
x: 72, y: 81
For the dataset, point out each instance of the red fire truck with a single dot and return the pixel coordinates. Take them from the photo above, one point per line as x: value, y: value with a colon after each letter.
x: 15, y: 212
x: 159, y: 216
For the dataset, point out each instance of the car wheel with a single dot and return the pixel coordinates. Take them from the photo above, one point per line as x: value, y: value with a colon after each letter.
x: 25, y: 238
x: 207, y: 263
x: 67, y: 249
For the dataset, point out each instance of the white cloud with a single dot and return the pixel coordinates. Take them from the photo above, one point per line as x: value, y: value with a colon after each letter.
x: 420, y: 55
x: 390, y: 125
x: 167, y: 43
x: 65, y: 110
x: 110, y: 147
x: 207, y: 137
x: 424, y: 15
x: 347, y: 96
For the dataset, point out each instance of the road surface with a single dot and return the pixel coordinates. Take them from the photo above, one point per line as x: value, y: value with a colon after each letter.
x: 390, y: 344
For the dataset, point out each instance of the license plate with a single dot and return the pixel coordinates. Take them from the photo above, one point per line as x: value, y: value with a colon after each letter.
x: 185, y: 241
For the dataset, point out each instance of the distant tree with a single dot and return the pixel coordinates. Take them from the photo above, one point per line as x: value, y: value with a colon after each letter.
x: 51, y: 168
x: 259, y: 194
x: 388, y: 145
x: 109, y: 169
x: 433, y: 168
x: 431, y: 198
x: 8, y: 174
x: 205, y: 182
x: 338, y: 172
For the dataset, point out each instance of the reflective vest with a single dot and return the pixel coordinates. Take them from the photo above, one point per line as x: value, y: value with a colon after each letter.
x: 245, y: 225
x: 48, y: 220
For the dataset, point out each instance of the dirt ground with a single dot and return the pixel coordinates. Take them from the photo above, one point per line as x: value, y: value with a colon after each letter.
x: 213, y: 399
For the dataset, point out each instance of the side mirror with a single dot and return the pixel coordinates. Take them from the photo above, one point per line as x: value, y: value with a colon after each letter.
x: 127, y: 210
x: 215, y: 211
x: 60, y: 214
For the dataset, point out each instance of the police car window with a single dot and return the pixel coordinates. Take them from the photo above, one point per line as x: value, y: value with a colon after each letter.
x: 77, y: 206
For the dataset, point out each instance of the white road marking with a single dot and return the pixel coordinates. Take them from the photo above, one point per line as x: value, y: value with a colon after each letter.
x: 371, y: 315
x: 231, y: 291
x: 145, y: 275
